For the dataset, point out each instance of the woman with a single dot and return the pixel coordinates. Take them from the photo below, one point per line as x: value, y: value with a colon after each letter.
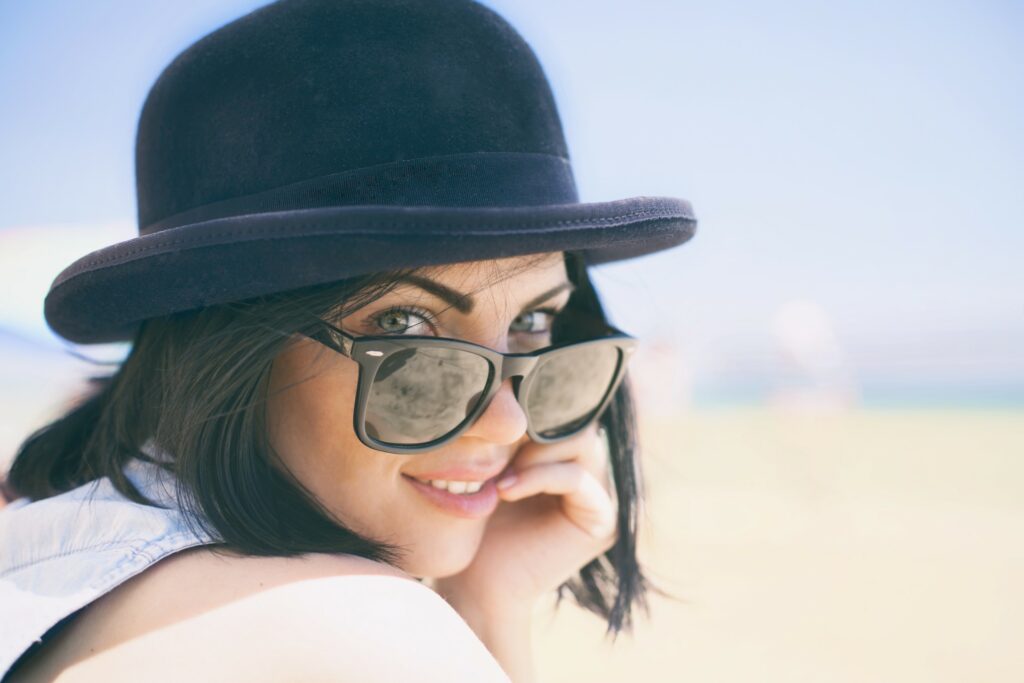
x: 373, y: 411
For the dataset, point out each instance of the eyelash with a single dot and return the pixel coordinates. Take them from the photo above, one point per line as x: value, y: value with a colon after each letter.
x: 432, y: 321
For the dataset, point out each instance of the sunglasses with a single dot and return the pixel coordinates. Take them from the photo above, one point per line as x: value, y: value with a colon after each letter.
x: 417, y: 393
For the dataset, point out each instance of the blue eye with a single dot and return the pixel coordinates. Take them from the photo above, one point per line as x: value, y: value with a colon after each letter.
x: 537, y: 321
x: 398, y: 319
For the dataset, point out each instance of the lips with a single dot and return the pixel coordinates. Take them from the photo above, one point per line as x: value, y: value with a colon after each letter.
x: 460, y: 473
x: 466, y: 505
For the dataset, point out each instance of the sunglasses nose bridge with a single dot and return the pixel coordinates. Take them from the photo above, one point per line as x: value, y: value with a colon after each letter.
x: 517, y: 366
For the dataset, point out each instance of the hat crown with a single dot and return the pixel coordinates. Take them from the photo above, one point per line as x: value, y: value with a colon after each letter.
x: 311, y: 141
x: 303, y: 90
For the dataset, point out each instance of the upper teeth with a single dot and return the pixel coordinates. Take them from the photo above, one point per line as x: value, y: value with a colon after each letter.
x: 454, y: 486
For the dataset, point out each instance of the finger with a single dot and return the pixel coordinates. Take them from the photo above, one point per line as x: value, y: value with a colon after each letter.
x: 585, y: 447
x: 584, y: 501
x: 533, y: 453
x: 589, y: 447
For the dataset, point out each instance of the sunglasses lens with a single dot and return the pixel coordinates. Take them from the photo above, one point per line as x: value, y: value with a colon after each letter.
x: 568, y: 387
x: 419, y: 395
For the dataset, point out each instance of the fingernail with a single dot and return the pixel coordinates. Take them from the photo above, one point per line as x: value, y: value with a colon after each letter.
x: 507, y: 481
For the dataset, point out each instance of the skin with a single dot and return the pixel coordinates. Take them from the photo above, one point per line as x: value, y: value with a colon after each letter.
x: 227, y: 626
x: 557, y: 516
x: 266, y: 620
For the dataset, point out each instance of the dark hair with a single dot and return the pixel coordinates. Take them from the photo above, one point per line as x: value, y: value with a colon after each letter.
x: 196, y: 383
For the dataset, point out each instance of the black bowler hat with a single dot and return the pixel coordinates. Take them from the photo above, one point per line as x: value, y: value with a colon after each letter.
x: 313, y: 140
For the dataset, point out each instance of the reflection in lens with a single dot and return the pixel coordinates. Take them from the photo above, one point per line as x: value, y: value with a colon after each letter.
x: 568, y: 387
x: 419, y: 395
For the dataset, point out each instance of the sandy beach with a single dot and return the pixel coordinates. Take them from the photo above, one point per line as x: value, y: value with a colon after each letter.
x: 863, y: 546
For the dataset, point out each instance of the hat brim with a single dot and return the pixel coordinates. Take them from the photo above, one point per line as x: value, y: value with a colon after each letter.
x: 103, y: 296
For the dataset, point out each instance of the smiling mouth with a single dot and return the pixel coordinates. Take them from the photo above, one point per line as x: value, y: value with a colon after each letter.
x: 467, y: 504
x: 452, y: 486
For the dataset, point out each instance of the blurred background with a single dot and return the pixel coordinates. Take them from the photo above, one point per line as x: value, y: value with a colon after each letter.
x: 831, y: 379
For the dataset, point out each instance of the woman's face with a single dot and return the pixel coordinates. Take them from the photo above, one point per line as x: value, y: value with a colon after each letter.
x: 312, y: 397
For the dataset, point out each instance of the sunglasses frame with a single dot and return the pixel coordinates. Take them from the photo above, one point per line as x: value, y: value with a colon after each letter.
x: 372, y: 350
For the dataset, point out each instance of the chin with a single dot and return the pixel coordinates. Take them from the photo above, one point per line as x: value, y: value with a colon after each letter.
x: 438, y: 560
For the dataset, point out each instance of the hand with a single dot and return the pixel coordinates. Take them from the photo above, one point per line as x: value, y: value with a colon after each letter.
x: 557, y: 516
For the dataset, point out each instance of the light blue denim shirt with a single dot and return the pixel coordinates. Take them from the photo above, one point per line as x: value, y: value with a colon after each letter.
x: 59, y: 554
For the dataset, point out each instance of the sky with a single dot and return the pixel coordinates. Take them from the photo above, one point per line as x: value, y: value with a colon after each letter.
x: 856, y: 169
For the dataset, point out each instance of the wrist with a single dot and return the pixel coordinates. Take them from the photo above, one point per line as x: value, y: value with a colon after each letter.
x: 504, y: 629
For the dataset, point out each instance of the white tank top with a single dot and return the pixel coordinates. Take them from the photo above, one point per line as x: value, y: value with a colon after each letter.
x: 59, y: 554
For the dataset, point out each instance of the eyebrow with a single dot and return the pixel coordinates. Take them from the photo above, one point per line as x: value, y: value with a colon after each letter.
x: 463, y: 303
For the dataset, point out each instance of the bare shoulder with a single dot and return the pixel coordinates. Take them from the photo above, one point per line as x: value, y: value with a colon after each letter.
x: 198, y: 615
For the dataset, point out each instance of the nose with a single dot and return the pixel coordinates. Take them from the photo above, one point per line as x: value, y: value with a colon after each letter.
x: 503, y: 421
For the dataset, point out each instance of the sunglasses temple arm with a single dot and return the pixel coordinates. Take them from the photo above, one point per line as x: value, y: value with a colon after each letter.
x: 337, y: 339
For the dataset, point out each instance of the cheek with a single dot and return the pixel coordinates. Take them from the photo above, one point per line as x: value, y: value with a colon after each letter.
x: 309, y: 415
x: 310, y: 423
